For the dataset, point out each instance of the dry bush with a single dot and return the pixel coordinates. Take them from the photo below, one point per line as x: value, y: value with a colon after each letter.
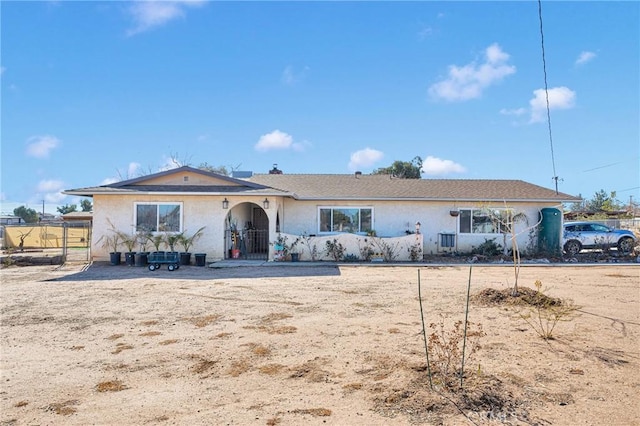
x: 446, y: 350
x: 150, y: 333
x: 168, y: 342
x: 543, y: 313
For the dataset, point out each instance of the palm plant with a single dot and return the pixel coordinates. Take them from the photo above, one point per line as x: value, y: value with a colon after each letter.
x: 171, y: 239
x: 188, y: 241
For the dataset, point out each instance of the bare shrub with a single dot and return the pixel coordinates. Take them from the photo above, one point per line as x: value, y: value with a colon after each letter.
x: 544, y: 313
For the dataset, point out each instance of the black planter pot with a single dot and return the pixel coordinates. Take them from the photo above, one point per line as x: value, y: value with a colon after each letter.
x: 115, y: 257
x: 201, y: 259
x: 185, y: 258
x: 141, y: 259
x: 130, y: 258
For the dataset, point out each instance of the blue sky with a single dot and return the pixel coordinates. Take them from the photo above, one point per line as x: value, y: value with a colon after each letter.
x: 94, y: 92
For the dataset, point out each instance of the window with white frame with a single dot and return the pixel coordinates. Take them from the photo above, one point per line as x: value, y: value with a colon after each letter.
x: 158, y: 217
x: 485, y: 221
x: 345, y: 219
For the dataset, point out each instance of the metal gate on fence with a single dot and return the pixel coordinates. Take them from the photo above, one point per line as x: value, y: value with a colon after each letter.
x: 248, y: 244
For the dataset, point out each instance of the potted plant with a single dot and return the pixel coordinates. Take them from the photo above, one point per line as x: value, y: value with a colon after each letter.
x: 143, y: 238
x: 295, y: 256
x: 187, y: 242
x: 112, y: 242
x: 157, y: 240
x: 280, y: 248
x: 129, y: 241
x: 171, y: 240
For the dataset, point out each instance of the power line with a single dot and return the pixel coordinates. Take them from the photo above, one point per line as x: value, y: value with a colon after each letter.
x: 546, y: 91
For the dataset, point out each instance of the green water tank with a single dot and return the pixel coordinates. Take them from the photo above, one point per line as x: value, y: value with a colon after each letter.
x: 550, y: 231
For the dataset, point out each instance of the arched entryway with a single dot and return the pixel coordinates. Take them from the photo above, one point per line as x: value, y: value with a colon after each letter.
x: 246, y: 232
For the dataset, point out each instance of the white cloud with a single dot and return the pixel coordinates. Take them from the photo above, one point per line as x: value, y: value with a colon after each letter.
x: 364, y: 158
x: 559, y: 98
x: 133, y: 170
x: 517, y: 111
x: 438, y: 167
x: 151, y: 14
x: 51, y: 190
x: 109, y: 181
x: 469, y: 81
x: 585, y: 57
x: 290, y: 76
x: 274, y: 140
x: 41, y: 146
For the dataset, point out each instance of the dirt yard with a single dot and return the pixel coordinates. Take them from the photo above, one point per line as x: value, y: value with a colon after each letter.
x: 341, y: 345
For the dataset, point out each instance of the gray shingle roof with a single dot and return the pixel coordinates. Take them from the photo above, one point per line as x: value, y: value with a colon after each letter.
x: 380, y: 187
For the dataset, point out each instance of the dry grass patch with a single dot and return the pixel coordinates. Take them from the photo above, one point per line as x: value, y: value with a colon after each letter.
x: 203, y: 365
x: 110, y: 386
x: 121, y: 347
x: 223, y: 335
x: 258, y: 349
x: 115, y: 336
x: 21, y: 404
x: 168, y: 342
x: 351, y: 387
x: 284, y: 329
x: 76, y: 348
x: 239, y: 367
x: 204, y: 320
x: 316, y: 412
x: 63, y: 408
x: 150, y: 322
x: 271, y: 369
x: 150, y: 333
x: 276, y: 316
x: 311, y: 371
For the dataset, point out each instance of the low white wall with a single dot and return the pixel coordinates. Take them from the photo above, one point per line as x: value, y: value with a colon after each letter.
x: 358, y: 247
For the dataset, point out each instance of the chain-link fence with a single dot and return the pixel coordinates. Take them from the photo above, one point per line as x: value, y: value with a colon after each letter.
x: 71, y: 240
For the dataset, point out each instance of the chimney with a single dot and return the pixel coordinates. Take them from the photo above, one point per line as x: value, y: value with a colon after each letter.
x: 275, y: 170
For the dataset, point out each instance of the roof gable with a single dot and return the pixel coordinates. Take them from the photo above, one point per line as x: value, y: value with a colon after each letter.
x: 184, y: 176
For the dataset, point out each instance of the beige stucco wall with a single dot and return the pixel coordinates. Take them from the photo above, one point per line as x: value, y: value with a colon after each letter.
x: 394, y: 218
x: 198, y: 211
x: 390, y: 219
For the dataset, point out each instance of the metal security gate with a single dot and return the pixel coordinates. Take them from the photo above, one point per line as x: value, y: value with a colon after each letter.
x: 248, y: 244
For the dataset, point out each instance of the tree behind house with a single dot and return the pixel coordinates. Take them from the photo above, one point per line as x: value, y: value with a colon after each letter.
x: 403, y: 169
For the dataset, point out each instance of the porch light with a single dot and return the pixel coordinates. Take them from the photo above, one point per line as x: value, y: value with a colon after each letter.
x: 417, y: 227
x: 265, y: 204
x: 225, y: 203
